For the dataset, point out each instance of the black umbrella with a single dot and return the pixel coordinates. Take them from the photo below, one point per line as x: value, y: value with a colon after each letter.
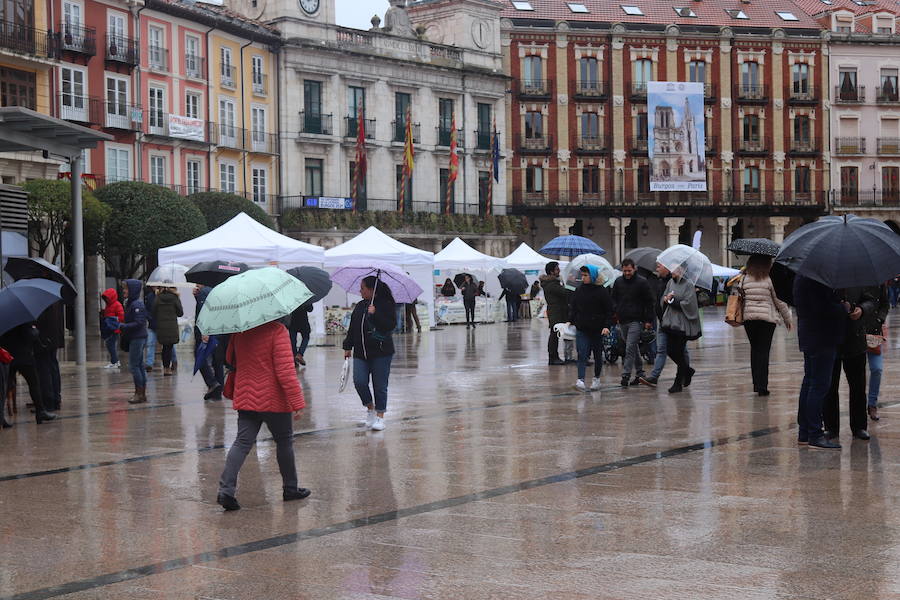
x: 25, y: 300
x: 644, y: 258
x: 843, y: 252
x: 23, y: 267
x: 513, y: 280
x: 214, y: 272
x: 316, y: 280
x: 460, y: 278
x: 751, y: 246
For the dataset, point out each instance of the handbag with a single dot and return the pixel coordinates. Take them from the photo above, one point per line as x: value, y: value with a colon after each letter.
x: 734, y: 310
x: 875, y: 340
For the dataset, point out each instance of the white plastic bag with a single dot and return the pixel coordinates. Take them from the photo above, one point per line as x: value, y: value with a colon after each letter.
x: 565, y: 332
x: 345, y: 375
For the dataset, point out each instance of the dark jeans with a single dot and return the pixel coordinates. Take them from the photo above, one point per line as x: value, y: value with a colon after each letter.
x: 304, y: 340
x: 136, y: 362
x: 379, y: 370
x: 855, y: 369
x: 676, y: 349
x: 212, y: 370
x: 30, y: 374
x: 112, y: 346
x: 760, y: 333
x: 249, y: 422
x: 512, y: 308
x: 167, y: 351
x: 470, y: 312
x: 588, y: 343
x: 48, y: 372
x: 817, y: 367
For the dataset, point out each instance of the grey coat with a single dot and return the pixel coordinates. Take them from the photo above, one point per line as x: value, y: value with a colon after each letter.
x: 683, y: 314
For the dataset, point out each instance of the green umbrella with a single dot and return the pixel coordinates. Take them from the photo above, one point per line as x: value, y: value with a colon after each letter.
x: 251, y: 299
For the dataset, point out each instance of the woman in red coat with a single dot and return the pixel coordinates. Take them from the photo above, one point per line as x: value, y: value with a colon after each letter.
x: 266, y: 390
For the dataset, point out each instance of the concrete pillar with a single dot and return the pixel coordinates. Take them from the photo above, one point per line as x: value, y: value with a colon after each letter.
x: 95, y: 281
x: 618, y: 225
x: 672, y: 226
x: 76, y: 169
x: 778, y: 224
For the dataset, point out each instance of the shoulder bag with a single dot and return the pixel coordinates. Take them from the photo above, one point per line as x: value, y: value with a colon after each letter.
x: 734, y: 311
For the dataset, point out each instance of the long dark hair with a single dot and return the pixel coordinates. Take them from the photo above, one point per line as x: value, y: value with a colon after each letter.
x: 381, y: 289
x: 759, y: 266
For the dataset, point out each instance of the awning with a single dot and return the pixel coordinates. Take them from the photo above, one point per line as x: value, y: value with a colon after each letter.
x: 24, y: 130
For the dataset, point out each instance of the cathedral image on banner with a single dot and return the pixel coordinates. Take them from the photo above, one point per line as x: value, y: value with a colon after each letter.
x: 676, y: 137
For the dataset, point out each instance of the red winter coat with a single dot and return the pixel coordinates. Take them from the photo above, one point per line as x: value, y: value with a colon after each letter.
x: 113, y: 306
x: 265, y: 376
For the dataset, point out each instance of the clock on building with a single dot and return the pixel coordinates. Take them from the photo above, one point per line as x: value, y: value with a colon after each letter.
x: 309, y: 6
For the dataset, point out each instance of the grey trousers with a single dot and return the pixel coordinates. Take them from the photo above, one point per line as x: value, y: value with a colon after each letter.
x: 631, y: 333
x: 249, y: 422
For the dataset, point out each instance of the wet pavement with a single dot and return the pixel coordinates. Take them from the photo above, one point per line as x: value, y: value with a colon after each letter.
x: 493, y: 479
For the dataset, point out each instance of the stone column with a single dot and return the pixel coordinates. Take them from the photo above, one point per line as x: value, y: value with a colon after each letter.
x: 672, y: 226
x: 618, y: 226
x: 778, y: 224
x: 563, y: 225
x: 725, y: 225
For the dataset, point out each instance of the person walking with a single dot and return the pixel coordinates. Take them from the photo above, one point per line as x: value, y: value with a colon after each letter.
x: 20, y: 343
x: 762, y: 310
x: 658, y: 285
x: 512, y: 304
x: 469, y: 291
x: 633, y: 301
x: 865, y: 310
x: 299, y: 324
x: 266, y: 390
x: 370, y: 344
x: 557, y: 297
x: 876, y: 336
x: 149, y: 304
x: 213, y: 377
x: 681, y: 322
x: 134, y: 337
x: 112, y: 316
x: 821, y: 324
x: 591, y: 311
x: 166, y: 311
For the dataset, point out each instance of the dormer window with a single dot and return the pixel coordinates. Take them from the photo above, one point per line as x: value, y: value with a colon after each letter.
x: 685, y: 11
x: 737, y: 14
x: 633, y: 11
x: 577, y: 7
x: 522, y: 5
x: 786, y: 16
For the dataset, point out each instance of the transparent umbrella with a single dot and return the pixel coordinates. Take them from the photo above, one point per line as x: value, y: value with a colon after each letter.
x: 169, y: 275
x: 689, y: 263
x: 572, y: 275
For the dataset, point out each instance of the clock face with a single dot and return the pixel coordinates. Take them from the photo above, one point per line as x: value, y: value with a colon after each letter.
x: 309, y: 6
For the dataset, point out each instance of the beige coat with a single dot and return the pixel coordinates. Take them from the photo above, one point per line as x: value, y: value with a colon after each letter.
x: 761, y: 303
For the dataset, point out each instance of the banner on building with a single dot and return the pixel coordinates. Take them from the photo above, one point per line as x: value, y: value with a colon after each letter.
x: 329, y: 202
x: 187, y: 128
x: 676, y: 136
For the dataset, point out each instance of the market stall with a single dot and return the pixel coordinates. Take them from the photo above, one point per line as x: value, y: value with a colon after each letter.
x: 459, y: 258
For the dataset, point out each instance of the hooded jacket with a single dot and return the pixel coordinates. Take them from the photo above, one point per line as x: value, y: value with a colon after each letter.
x: 166, y: 310
x: 135, y: 326
x: 557, y: 298
x: 682, y: 315
x: 113, y: 307
x: 633, y: 299
x: 591, y: 307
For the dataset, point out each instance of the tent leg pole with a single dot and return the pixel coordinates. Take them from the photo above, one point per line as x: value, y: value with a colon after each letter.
x: 78, y: 262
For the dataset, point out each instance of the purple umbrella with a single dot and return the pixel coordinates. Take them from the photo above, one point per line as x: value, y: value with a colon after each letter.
x: 403, y: 287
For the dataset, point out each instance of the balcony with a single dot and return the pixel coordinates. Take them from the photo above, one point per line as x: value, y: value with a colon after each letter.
x: 590, y: 90
x: 261, y: 142
x: 27, y: 40
x: 227, y: 136
x: 752, y: 93
x: 158, y: 58
x: 122, y: 49
x: 443, y: 137
x: 662, y: 203
x: 752, y: 147
x: 482, y: 140
x: 194, y: 66
x: 399, y: 130
x: 845, y: 94
x: 887, y: 95
x: 804, y: 146
x: 161, y: 124
x: 639, y: 90
x: 260, y: 84
x: 535, y: 144
x: 803, y: 95
x: 889, y: 146
x: 351, y: 127
x: 849, y: 145
x: 872, y: 198
x: 592, y: 144
x: 119, y: 115
x: 227, y: 76
x: 78, y: 39
x: 316, y: 124
x: 79, y: 109
x: 534, y: 88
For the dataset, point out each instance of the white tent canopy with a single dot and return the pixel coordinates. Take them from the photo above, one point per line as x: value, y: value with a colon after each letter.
x: 460, y: 255
x: 525, y: 258
x: 243, y: 239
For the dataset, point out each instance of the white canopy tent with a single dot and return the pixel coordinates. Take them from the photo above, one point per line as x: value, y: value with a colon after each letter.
x: 376, y: 246
x: 243, y: 239
x: 460, y: 257
x: 525, y: 259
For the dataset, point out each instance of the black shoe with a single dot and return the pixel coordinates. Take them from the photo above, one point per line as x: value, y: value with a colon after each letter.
x: 44, y: 416
x: 556, y: 362
x: 298, y: 494
x: 861, y: 434
x: 763, y: 393
x: 570, y: 361
x: 214, y: 391
x: 4, y: 424
x: 873, y: 413
x: 468, y: 326
x: 824, y: 444
x: 802, y: 439
x: 624, y: 382
x: 651, y: 381
x: 676, y: 387
x: 831, y: 435
x: 636, y: 380
x: 688, y: 377
x: 228, y: 502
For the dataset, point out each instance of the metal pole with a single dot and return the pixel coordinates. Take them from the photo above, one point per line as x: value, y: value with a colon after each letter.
x: 78, y: 261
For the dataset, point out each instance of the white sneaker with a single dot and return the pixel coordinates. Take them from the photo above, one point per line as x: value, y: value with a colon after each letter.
x: 112, y: 366
x: 595, y: 384
x: 370, y: 419
x: 579, y: 385
x: 378, y: 425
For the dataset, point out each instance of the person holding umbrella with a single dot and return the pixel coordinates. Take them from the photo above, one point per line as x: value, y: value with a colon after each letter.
x: 299, y: 324
x: 134, y: 337
x: 681, y: 322
x: 591, y: 311
x: 20, y: 343
x: 469, y: 291
x: 318, y: 282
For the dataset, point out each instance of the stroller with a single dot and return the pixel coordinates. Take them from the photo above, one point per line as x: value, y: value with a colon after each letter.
x: 613, y: 346
x: 647, y: 346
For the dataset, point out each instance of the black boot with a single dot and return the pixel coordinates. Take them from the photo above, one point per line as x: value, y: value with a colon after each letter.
x: 42, y: 415
x: 4, y: 424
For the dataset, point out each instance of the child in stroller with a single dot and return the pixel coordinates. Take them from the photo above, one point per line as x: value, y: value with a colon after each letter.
x: 614, y: 346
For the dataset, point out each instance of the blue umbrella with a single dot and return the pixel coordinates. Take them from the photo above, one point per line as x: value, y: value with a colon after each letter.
x: 571, y: 245
x: 24, y: 301
x: 204, y: 351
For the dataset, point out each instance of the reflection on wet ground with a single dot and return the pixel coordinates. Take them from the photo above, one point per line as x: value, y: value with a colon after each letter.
x: 494, y: 479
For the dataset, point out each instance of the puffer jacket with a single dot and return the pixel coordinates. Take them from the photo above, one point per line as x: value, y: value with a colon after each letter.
x: 166, y: 310
x: 557, y: 298
x: 265, y: 379
x: 761, y: 303
x: 113, y: 307
x: 135, y: 325
x: 591, y: 308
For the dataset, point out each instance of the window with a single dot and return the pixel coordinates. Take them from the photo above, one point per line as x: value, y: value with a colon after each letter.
x: 889, y: 90
x: 634, y: 11
x: 192, y: 57
x: 801, y: 180
x: 356, y: 103
x: 751, y: 180
x: 485, y: 114
x: 641, y: 73
x: 800, y: 79
x: 227, y: 177
x: 312, y: 107
x: 74, y: 104
x: 313, y: 168
x: 843, y: 29
x: 751, y: 128
x: 697, y: 71
x: 116, y: 26
x: 258, y: 179
x: 801, y: 131
x: 847, y: 88
x: 259, y: 78
x: 402, y: 103
x: 118, y: 164
x: 890, y: 183
x: 117, y: 103
x: 533, y: 71
x: 17, y: 88
x: 227, y: 133
x: 534, y: 125
x: 577, y: 8
x: 685, y: 12
x: 443, y: 183
x: 522, y: 5
x: 258, y: 128
x: 192, y: 175
x: 445, y: 120
x: 786, y: 16
x: 849, y: 184
x: 158, y: 169
x: 736, y: 14
x: 590, y: 126
x: 74, y: 36
x: 534, y: 180
x: 750, y: 75
x: 590, y: 180
x: 589, y: 74
x: 192, y: 105
x: 156, y: 47
x: 640, y: 128
x: 408, y: 195
x: 643, y: 179
x: 226, y: 69
x: 157, y: 116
